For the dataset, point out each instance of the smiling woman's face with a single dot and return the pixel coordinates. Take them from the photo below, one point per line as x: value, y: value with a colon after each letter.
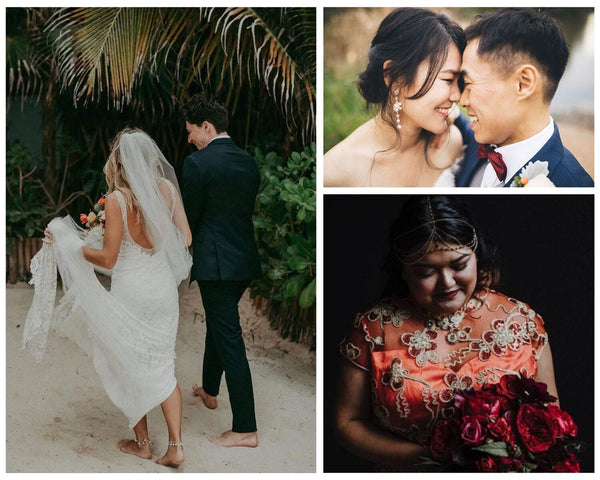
x: 430, y: 112
x: 442, y: 281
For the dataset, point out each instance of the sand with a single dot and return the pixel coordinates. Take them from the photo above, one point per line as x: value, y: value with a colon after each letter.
x: 59, y: 419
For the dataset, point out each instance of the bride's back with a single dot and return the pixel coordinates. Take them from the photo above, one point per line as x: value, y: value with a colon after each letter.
x: 135, y: 220
x: 136, y: 228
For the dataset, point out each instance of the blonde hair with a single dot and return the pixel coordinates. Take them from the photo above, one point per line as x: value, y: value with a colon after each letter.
x: 116, y: 178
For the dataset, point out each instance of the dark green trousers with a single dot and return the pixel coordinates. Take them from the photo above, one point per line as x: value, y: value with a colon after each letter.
x: 225, y: 351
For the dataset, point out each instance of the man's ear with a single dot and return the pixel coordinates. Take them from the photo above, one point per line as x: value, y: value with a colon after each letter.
x: 527, y: 80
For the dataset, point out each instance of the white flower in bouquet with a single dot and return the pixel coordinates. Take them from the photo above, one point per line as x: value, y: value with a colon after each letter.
x: 95, y: 237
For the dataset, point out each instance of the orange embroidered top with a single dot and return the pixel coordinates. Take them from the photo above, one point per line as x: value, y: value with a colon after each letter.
x: 416, y: 361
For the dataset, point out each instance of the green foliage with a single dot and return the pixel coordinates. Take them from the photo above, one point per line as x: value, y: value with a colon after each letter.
x: 285, y: 228
x: 344, y: 108
x: 26, y: 208
x: 31, y: 203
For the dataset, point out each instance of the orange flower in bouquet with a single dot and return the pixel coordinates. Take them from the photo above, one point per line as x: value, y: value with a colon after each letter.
x: 96, y: 217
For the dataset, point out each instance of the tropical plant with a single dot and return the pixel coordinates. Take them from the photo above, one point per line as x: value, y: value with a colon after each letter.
x: 285, y: 227
x: 114, y: 54
x: 29, y: 202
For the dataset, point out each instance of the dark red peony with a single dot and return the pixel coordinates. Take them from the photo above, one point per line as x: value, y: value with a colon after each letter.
x: 563, y: 422
x: 535, y: 427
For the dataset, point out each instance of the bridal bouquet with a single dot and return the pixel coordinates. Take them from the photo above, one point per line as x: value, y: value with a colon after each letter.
x: 96, y: 217
x: 94, y: 233
x: 511, y: 426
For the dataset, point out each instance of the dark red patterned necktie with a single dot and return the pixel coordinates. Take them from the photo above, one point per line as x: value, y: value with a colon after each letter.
x: 495, y: 159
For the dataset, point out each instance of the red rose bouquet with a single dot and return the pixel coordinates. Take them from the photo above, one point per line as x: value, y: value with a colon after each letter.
x: 511, y: 426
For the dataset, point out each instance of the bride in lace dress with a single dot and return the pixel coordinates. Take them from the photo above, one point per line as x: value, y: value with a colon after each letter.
x: 412, y: 73
x: 129, y: 331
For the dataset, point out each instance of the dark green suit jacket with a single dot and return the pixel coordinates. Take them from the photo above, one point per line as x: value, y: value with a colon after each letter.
x: 219, y: 188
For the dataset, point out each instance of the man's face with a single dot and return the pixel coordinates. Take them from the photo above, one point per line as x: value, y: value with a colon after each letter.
x: 489, y: 98
x: 198, y: 135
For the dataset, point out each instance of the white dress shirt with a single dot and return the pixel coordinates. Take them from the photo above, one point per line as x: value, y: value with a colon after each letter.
x: 517, y: 155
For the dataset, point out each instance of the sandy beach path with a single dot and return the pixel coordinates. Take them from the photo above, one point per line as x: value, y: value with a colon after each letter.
x: 59, y: 419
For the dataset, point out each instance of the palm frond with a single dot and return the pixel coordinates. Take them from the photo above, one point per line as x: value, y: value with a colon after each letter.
x: 104, y: 50
x: 28, y: 56
x: 277, y: 46
x: 118, y: 53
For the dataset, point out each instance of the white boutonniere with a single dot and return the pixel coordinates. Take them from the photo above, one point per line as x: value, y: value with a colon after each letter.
x: 534, y: 174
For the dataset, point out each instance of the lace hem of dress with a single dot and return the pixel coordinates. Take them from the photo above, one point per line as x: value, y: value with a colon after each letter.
x: 39, y: 317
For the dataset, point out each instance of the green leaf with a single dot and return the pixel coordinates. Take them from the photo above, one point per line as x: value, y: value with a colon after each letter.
x: 308, y: 295
x: 299, y: 264
x: 499, y: 449
x: 293, y: 286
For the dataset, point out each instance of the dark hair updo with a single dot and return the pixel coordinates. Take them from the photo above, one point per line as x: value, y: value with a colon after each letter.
x: 407, y: 37
x: 413, y: 229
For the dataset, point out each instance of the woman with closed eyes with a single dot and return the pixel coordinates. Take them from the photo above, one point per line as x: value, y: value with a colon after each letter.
x: 443, y: 328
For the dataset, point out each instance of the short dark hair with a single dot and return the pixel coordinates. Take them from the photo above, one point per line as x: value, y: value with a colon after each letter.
x: 412, y: 230
x: 203, y: 107
x: 407, y: 37
x: 509, y: 32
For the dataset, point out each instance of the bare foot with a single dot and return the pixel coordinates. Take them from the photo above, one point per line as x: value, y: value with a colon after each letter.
x: 235, y: 439
x: 173, y: 458
x: 133, y: 448
x: 209, y: 400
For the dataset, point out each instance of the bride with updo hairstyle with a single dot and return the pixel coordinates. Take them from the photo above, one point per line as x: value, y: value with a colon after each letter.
x: 412, y: 74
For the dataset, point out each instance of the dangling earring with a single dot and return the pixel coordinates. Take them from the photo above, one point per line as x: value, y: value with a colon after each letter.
x: 397, y: 107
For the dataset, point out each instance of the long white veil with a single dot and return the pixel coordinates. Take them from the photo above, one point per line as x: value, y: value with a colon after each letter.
x: 152, y: 180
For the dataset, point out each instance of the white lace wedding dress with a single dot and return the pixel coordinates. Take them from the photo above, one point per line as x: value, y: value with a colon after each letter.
x: 129, y: 331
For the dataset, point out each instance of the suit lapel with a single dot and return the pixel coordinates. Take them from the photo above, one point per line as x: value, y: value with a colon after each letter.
x: 552, y: 152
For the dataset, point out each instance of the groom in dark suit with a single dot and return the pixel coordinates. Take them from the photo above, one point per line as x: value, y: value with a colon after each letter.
x: 512, y: 64
x: 219, y: 187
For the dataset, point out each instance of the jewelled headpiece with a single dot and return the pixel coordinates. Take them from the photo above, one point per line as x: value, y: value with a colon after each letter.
x: 437, y: 241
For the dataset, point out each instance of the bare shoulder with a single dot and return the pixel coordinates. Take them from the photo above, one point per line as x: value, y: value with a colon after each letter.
x: 348, y: 163
x: 111, y: 200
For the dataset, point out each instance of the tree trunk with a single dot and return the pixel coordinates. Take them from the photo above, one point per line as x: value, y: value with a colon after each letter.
x: 49, y: 136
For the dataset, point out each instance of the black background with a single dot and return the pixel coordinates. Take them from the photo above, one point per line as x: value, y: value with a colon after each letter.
x: 546, y: 256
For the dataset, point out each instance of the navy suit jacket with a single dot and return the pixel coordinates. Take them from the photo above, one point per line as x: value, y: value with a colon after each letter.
x: 565, y: 170
x: 219, y: 188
